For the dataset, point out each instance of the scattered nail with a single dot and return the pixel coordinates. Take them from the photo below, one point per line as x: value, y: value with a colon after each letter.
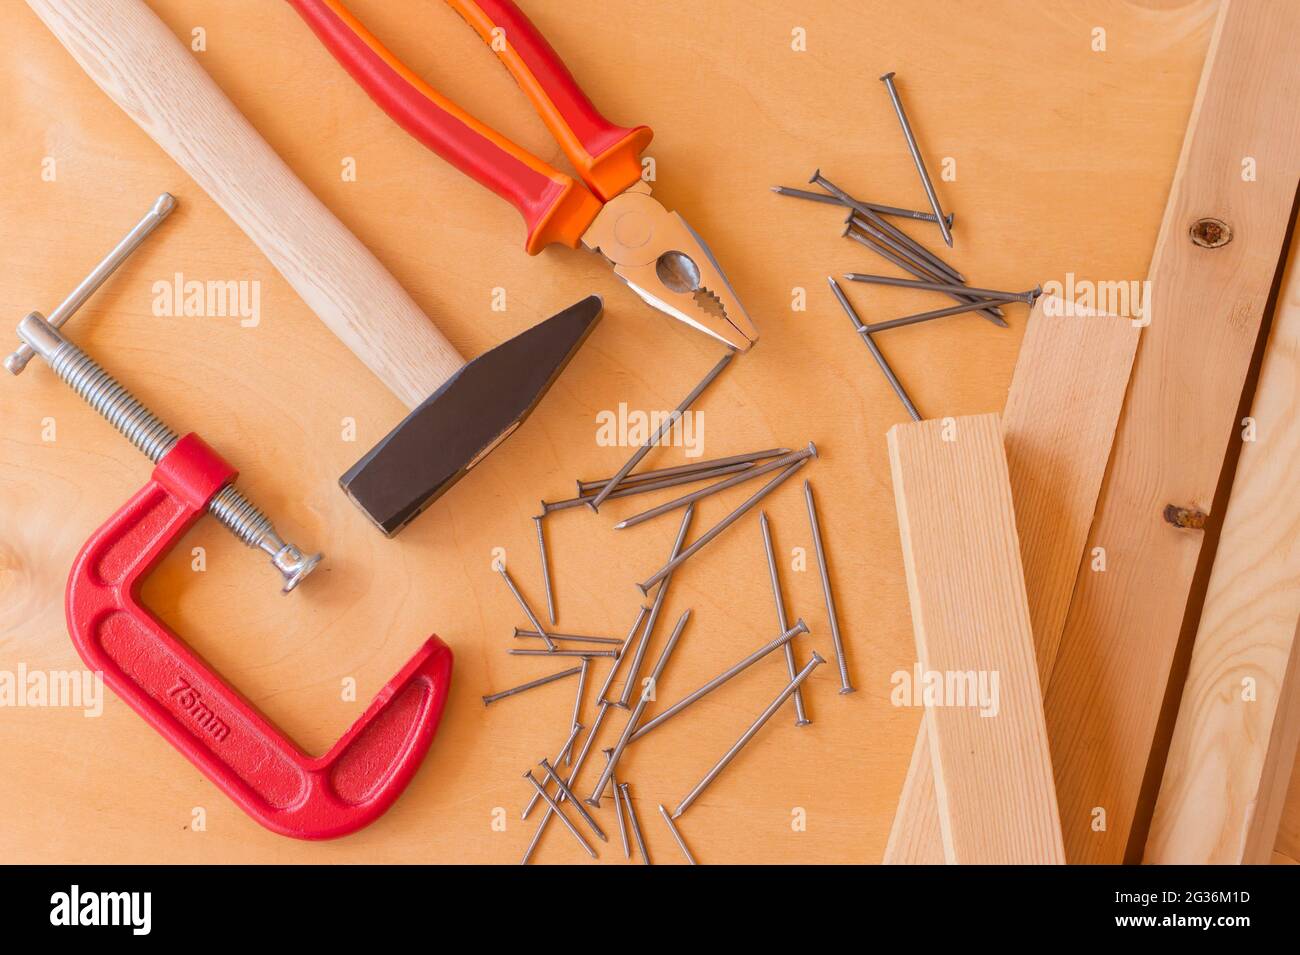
x: 748, y: 734
x: 636, y: 824
x: 672, y: 827
x: 650, y: 442
x: 875, y: 350
x: 721, y: 526
x: 845, y: 685
x: 888, y: 80
x: 800, y: 715
x: 542, y: 681
x: 555, y: 808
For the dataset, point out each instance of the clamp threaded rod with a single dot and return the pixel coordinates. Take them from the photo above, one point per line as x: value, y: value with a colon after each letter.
x: 154, y: 439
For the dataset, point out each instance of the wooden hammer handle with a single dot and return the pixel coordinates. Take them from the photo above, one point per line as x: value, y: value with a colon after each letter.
x: 150, y: 74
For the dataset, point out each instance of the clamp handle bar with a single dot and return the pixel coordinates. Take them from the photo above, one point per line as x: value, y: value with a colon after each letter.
x: 162, y: 207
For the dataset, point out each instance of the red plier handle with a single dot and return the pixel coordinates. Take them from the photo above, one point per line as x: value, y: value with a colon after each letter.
x: 555, y: 208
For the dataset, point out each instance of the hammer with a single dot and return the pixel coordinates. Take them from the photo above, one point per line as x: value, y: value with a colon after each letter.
x: 460, y: 411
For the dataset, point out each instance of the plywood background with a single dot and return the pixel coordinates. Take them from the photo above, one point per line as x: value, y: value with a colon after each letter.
x: 1064, y: 157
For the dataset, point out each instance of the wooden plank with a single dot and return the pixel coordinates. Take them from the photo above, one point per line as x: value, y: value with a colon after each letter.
x: 1058, y: 427
x: 1234, y: 743
x: 992, y: 773
x: 1205, y: 305
x: 1288, y: 831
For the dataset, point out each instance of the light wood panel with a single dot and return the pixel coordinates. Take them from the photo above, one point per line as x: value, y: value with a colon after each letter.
x: 1111, y: 675
x: 992, y: 773
x: 1287, y: 848
x: 735, y: 111
x: 1234, y: 743
x: 1057, y: 428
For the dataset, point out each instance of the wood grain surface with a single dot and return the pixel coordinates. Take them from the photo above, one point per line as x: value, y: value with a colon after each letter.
x: 1234, y: 743
x: 1044, y: 130
x: 993, y: 786
x: 1111, y: 675
x: 1058, y: 427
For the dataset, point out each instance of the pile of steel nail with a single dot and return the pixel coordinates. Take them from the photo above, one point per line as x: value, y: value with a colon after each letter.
x: 865, y: 222
x: 731, y: 472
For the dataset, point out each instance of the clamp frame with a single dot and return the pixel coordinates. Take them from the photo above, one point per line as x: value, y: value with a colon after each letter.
x: 206, y: 719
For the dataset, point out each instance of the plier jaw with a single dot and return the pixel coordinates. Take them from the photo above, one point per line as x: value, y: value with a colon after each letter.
x: 651, y: 249
x: 665, y: 261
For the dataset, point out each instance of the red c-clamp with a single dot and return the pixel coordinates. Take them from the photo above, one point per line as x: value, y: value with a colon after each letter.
x: 164, y: 681
x: 235, y: 746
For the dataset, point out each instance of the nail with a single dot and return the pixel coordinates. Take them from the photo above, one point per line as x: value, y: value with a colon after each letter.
x: 921, y: 317
x: 618, y: 807
x: 800, y: 715
x: 521, y: 634
x: 888, y: 80
x: 992, y: 313
x: 564, y: 750
x: 748, y: 734
x: 577, y: 699
x: 713, y: 532
x: 636, y: 824
x: 730, y: 482
x: 562, y: 653
x: 911, y: 249
x: 845, y: 685
x: 1028, y: 297
x: 546, y: 570
x: 563, y: 787
x: 528, y: 611
x: 586, y: 487
x: 623, y: 701
x: 672, y: 827
x: 641, y: 703
x: 882, y: 209
x: 602, y: 696
x: 492, y: 698
x: 672, y: 419
x: 628, y: 489
x: 555, y: 807
x: 602, y: 707
x: 721, y: 678
x: 872, y: 217
x: 875, y: 351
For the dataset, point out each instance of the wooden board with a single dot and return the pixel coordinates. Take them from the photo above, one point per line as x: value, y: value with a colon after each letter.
x: 731, y: 119
x: 1287, y: 848
x: 993, y: 783
x: 1234, y: 743
x: 1057, y: 428
x: 1111, y: 675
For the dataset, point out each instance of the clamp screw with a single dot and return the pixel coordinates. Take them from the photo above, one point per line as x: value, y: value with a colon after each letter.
x: 139, y: 425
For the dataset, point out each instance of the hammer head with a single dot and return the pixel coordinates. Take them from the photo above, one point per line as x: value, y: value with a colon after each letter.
x: 454, y: 428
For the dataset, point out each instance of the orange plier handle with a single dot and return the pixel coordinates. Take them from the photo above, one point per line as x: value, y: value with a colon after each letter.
x: 555, y: 208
